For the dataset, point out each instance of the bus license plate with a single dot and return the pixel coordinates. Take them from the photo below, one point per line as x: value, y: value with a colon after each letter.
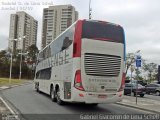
x: 102, y: 96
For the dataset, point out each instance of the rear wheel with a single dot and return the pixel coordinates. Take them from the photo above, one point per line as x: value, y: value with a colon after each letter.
x: 148, y: 92
x: 158, y: 93
x: 134, y: 93
x: 93, y: 104
x: 37, y: 87
x: 59, y: 101
x: 141, y: 95
x: 52, y: 94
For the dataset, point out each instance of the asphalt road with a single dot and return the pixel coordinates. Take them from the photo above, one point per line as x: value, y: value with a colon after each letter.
x: 32, y: 104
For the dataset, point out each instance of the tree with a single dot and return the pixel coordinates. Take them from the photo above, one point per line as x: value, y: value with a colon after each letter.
x: 151, y: 68
x: 130, y: 59
x: 32, y: 56
x: 32, y: 53
x: 3, y: 56
x: 4, y: 63
x: 127, y: 77
x: 138, y: 74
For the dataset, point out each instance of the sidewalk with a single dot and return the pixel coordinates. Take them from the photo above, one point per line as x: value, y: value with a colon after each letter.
x: 4, y: 87
x: 142, y: 103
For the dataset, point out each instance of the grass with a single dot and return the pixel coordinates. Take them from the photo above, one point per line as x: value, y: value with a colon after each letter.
x: 5, y: 82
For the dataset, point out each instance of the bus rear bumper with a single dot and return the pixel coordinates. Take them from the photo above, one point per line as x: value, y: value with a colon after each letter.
x: 91, y: 97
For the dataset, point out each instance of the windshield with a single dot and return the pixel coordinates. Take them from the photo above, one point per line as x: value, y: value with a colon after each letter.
x: 102, y: 31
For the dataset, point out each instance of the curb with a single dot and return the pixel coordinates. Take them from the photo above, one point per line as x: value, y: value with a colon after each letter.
x: 140, y: 108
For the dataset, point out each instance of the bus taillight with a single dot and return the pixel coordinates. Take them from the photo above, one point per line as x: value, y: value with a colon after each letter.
x: 78, y: 81
x: 75, y: 50
x: 122, y: 83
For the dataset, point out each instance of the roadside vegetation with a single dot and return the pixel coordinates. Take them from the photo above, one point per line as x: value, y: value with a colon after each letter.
x: 5, y: 82
x: 147, y: 72
x: 28, y: 64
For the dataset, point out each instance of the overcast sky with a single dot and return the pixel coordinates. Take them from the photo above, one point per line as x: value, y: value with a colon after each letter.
x: 140, y: 19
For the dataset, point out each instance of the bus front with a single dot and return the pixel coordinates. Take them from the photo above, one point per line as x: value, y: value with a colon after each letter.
x: 99, y: 49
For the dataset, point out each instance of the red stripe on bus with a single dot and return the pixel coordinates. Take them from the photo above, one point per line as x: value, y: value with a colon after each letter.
x: 77, y: 39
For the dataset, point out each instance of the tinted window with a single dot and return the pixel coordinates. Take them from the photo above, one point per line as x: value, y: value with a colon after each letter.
x: 139, y: 85
x: 44, y: 74
x: 128, y: 85
x: 147, y: 85
x: 156, y: 85
x: 40, y: 56
x: 133, y: 81
x: 46, y: 53
x: 102, y: 31
x: 62, y: 42
x: 150, y: 85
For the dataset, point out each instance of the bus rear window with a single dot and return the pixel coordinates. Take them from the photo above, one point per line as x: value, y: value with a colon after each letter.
x: 102, y: 31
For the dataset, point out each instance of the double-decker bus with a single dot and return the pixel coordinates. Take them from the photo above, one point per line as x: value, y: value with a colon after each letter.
x: 85, y: 64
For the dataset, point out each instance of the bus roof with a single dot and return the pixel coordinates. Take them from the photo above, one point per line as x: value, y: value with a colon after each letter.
x: 75, y: 23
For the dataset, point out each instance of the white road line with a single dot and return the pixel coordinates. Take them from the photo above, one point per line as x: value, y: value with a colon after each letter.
x: 7, y: 106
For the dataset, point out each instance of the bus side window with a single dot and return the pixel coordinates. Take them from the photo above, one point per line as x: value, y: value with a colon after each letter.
x: 66, y: 43
x: 67, y: 39
x: 44, y: 74
x: 62, y: 42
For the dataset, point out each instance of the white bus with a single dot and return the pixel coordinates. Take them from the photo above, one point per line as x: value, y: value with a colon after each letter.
x: 85, y: 64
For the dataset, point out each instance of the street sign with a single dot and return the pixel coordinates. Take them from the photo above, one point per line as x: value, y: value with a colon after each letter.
x: 138, y: 61
x: 158, y: 72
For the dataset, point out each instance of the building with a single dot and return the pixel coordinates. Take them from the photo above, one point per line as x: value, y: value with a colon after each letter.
x: 22, y: 24
x: 55, y: 20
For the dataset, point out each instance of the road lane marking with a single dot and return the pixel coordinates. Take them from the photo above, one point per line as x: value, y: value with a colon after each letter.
x: 12, y: 115
x: 7, y: 106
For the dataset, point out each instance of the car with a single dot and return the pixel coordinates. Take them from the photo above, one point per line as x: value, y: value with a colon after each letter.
x: 156, y: 81
x: 133, y: 88
x: 143, y: 83
x: 153, y: 88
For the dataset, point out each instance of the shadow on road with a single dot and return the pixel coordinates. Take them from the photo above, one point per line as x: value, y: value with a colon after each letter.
x: 79, y: 107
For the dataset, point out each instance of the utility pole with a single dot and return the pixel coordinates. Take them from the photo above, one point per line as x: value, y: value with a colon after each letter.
x: 10, y: 75
x: 132, y: 69
x: 138, y: 65
x: 20, y: 68
x: 90, y: 10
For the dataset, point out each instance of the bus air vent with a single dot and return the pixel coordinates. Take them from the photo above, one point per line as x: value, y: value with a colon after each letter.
x: 102, y: 64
